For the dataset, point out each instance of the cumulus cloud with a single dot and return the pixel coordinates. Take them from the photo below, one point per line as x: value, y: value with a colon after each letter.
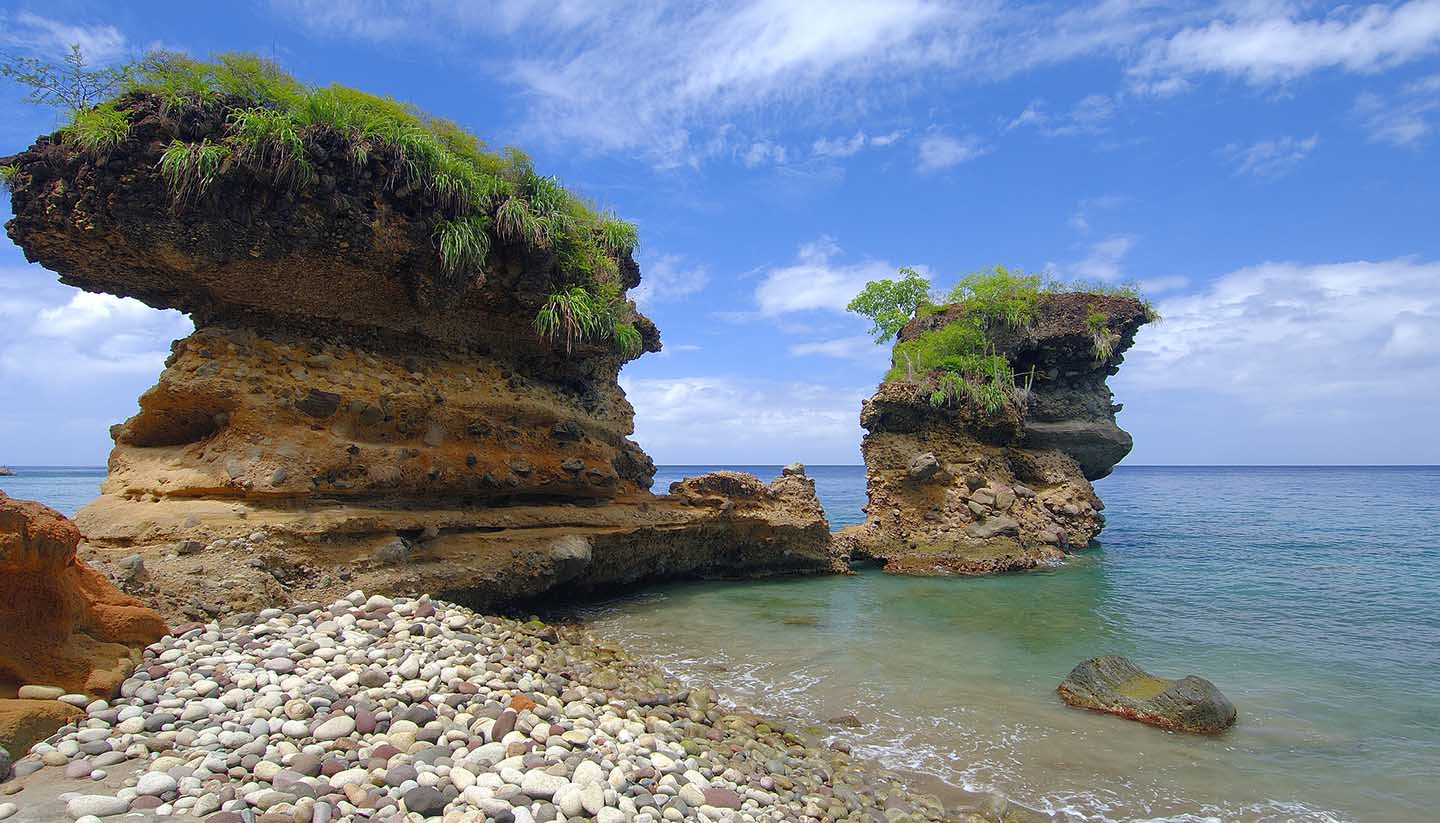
x: 858, y: 349
x: 72, y: 364
x: 938, y: 152
x: 1271, y: 47
x: 1270, y: 158
x: 745, y: 420
x: 815, y: 281
x: 51, y: 39
x: 668, y: 277
x: 1292, y: 339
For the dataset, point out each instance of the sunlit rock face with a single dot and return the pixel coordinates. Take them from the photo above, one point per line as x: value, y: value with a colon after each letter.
x: 346, y: 413
x: 958, y: 490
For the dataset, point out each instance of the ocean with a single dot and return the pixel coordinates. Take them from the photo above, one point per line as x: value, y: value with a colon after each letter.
x: 1310, y: 596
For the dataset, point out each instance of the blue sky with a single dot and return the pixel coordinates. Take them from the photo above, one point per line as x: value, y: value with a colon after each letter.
x: 1266, y: 170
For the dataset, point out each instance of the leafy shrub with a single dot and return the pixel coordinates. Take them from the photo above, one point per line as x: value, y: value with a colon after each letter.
x: 70, y: 85
x: 99, y: 130
x: 7, y: 173
x: 890, y: 303
x: 999, y: 297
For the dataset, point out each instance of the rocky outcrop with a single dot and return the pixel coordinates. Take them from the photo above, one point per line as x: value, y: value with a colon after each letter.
x: 6, y: 472
x: 1115, y: 685
x: 957, y: 489
x: 348, y: 413
x: 64, y: 628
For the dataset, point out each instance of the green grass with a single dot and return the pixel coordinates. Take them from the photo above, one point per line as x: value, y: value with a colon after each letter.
x: 999, y: 297
x: 1104, y: 340
x: 7, y: 173
x: 100, y: 129
x: 464, y: 245
x: 190, y: 168
x: 580, y: 314
x: 478, y: 198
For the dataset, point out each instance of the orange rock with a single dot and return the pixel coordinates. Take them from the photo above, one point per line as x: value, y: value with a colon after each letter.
x: 23, y: 723
x: 520, y: 703
x: 61, y: 622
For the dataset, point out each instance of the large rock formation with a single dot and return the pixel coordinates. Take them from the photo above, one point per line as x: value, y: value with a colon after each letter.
x: 957, y: 489
x: 345, y: 413
x: 64, y: 628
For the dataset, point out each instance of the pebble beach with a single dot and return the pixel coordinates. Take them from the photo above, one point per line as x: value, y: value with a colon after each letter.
x: 373, y: 709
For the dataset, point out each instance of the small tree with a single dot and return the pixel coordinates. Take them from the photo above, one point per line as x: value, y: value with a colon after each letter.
x: 891, y: 303
x: 71, y: 85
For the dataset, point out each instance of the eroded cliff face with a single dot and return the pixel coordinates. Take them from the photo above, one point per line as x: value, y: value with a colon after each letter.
x: 959, y: 490
x: 346, y: 414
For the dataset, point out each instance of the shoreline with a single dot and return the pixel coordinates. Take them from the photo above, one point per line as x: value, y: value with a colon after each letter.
x: 372, y: 708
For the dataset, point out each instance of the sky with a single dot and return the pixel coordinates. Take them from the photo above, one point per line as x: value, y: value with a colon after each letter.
x: 1265, y: 171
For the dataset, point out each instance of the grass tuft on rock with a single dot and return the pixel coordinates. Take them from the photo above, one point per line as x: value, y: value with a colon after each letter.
x: 280, y: 130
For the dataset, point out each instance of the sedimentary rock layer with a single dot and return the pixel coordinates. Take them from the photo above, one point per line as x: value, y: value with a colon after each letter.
x: 957, y: 489
x: 346, y: 411
x: 64, y: 628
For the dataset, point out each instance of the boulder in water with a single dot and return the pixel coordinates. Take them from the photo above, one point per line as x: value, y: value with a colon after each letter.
x: 1116, y: 685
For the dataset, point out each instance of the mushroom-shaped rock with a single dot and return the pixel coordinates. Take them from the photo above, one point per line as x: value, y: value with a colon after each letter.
x: 1115, y: 685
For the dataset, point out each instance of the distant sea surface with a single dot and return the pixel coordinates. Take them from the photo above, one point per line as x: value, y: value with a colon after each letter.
x: 1311, y: 596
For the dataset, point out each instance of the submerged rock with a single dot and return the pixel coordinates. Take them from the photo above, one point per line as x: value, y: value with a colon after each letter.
x: 1115, y: 685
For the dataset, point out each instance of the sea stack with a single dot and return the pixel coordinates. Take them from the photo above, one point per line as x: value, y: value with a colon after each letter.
x: 361, y: 405
x: 982, y: 483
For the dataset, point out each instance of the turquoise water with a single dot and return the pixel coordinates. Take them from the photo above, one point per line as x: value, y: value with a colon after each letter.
x: 1311, y: 596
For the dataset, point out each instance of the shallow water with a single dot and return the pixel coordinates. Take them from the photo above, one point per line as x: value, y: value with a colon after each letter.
x: 1308, y: 595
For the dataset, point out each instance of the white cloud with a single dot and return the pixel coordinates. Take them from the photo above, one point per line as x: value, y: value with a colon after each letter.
x: 839, y: 146
x: 668, y: 277
x: 1405, y: 119
x: 1347, y: 340
x: 763, y: 152
x: 1088, y: 116
x: 682, y: 83
x: 745, y: 420
x: 1104, y: 261
x: 1270, y: 47
x: 941, y: 151
x: 814, y: 281
x: 52, y: 38
x: 859, y: 349
x: 836, y: 147
x: 1271, y: 158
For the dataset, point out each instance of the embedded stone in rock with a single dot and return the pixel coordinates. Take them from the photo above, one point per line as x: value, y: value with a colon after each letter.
x: 1115, y: 685
x: 993, y: 527
x: 319, y: 404
x: 923, y: 466
x: 793, y: 470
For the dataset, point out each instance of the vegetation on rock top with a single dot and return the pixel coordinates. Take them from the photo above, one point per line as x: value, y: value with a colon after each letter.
x: 273, y: 125
x: 959, y: 362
